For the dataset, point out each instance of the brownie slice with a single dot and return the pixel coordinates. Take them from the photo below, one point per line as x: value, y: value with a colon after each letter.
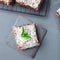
x: 32, y: 4
x: 58, y: 12
x: 7, y: 2
x: 28, y: 40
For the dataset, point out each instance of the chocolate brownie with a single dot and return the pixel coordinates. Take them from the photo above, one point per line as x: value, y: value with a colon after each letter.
x: 32, y: 4
x: 7, y: 2
x: 28, y: 40
x: 58, y: 12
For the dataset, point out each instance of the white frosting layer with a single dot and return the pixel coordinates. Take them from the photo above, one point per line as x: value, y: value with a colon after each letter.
x: 6, y: 0
x: 26, y: 43
x: 31, y: 3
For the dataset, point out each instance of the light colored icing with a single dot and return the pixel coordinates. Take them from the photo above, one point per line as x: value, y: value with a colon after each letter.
x: 31, y: 3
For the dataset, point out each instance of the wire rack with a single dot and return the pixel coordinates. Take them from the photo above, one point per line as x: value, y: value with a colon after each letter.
x: 17, y: 8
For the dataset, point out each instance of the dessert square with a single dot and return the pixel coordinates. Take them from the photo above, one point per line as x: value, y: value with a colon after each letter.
x: 7, y: 2
x: 26, y: 36
x: 32, y: 4
x: 58, y: 12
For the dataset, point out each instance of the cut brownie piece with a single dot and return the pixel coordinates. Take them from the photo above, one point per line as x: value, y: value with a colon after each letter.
x: 58, y: 12
x: 26, y: 36
x: 7, y: 2
x: 32, y: 4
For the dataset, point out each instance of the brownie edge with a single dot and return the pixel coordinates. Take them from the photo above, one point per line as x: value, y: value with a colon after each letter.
x: 27, y: 6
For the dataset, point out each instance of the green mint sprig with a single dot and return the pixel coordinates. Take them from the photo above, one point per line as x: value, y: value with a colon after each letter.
x: 25, y: 34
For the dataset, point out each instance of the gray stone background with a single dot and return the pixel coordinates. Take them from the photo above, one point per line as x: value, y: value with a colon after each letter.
x: 50, y: 48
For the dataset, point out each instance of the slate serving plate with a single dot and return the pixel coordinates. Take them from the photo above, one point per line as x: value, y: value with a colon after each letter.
x: 17, y: 8
x: 29, y: 52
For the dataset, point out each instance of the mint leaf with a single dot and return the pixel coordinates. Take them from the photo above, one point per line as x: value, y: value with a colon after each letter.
x: 25, y: 34
x: 27, y: 37
x: 22, y: 30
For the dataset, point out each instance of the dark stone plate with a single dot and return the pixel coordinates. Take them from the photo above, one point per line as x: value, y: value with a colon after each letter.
x: 17, y: 8
x: 32, y: 51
